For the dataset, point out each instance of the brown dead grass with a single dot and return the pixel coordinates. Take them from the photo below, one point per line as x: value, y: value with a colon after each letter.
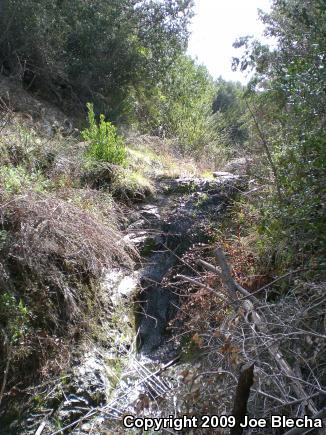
x: 46, y: 227
x: 51, y: 259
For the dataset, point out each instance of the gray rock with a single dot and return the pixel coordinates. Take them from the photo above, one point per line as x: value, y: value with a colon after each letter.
x: 240, y: 166
x: 221, y: 174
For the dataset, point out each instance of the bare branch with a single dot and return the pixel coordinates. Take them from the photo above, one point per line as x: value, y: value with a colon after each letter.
x: 200, y: 284
x: 298, y: 431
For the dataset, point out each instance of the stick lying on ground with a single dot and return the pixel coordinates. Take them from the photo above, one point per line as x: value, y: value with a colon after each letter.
x: 200, y: 284
x: 217, y: 270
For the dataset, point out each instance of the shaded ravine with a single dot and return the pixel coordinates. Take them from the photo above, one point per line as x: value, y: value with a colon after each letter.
x: 162, y: 230
x: 181, y: 218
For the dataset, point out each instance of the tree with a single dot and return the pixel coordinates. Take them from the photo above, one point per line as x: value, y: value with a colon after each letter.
x: 96, y: 49
x: 181, y: 105
x: 287, y: 94
x: 229, y: 109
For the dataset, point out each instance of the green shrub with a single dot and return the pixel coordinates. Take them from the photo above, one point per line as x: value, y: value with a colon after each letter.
x: 94, y: 49
x: 16, y: 179
x: 14, y: 317
x: 105, y: 144
x: 180, y: 106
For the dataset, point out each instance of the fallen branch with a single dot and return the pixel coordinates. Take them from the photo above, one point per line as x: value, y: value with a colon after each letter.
x: 259, y: 327
x: 209, y: 267
x: 227, y: 277
x: 217, y: 270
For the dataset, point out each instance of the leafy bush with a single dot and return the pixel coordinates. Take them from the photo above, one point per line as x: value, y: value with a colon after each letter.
x: 14, y: 318
x: 230, y: 121
x: 17, y: 179
x: 180, y: 106
x: 98, y: 48
x: 287, y: 119
x: 105, y: 144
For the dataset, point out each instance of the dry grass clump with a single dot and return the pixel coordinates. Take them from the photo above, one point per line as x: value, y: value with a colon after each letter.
x: 52, y: 254
x: 98, y: 175
x: 51, y: 236
x: 96, y: 202
x: 22, y: 145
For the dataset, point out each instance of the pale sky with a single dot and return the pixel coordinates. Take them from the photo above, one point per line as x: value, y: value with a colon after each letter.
x: 215, y: 27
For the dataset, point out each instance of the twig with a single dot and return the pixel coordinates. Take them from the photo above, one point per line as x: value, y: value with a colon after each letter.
x: 5, y: 376
x: 292, y: 272
x: 41, y: 428
x: 299, y: 431
x: 294, y: 402
x: 200, y: 284
x: 255, y: 189
x: 283, y: 403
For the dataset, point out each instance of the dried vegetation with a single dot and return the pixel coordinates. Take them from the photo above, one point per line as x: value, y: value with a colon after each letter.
x: 276, y: 323
x: 56, y: 241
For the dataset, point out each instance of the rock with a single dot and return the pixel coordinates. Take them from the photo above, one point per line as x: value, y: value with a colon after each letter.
x: 120, y: 283
x: 238, y: 166
x: 150, y: 212
x: 145, y: 242
x: 139, y: 224
x: 208, y: 185
x: 222, y: 174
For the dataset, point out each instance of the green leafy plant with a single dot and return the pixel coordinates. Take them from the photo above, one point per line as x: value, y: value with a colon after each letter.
x: 16, y: 179
x: 286, y: 121
x: 77, y: 34
x: 15, y: 317
x: 105, y: 144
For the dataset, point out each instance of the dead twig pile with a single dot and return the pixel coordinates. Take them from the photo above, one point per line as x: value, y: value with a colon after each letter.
x: 283, y: 338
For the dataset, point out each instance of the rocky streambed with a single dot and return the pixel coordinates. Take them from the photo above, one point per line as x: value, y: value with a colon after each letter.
x: 181, y: 217
x: 139, y: 373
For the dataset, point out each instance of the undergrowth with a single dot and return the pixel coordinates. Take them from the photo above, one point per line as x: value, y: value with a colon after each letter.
x: 104, y: 143
x: 57, y: 238
x: 61, y: 215
x: 219, y: 340
x: 62, y: 211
